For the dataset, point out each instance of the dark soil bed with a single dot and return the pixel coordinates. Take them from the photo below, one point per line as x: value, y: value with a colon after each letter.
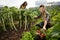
x: 11, y: 34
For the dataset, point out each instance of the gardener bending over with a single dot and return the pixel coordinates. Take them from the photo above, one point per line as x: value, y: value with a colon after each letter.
x: 45, y: 24
x: 45, y: 17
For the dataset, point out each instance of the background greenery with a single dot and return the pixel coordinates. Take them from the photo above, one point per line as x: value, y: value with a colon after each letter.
x: 11, y: 18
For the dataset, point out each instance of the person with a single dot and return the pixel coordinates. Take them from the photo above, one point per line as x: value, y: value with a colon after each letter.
x: 23, y: 6
x: 45, y: 24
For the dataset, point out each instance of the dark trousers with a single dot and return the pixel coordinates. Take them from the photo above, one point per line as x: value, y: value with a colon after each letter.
x: 42, y: 24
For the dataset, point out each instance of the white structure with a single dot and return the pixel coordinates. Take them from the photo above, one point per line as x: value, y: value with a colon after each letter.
x: 39, y: 2
x: 44, y: 2
x: 1, y: 6
x: 53, y: 3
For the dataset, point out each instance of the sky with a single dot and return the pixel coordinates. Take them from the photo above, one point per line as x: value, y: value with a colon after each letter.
x: 17, y: 3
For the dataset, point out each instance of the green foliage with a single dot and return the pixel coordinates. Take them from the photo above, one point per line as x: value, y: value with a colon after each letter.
x: 6, y: 18
x: 52, y: 33
x: 11, y: 16
x: 27, y: 36
x: 33, y: 30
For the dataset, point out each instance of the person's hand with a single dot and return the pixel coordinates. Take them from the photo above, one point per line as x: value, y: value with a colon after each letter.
x: 35, y: 17
x: 44, y: 28
x: 37, y: 32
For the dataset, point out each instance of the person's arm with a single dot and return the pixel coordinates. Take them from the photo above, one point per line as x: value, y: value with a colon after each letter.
x: 36, y: 17
x: 45, y: 23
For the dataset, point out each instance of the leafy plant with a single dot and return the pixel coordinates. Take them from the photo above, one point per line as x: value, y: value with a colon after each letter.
x: 27, y: 36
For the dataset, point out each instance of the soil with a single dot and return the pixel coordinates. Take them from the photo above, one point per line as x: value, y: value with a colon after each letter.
x: 11, y: 34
